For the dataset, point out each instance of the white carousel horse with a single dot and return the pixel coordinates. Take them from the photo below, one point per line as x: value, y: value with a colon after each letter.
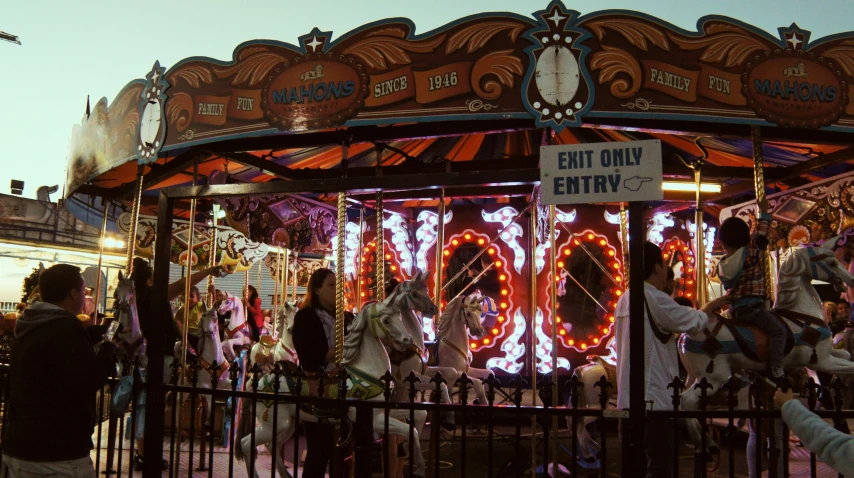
x: 237, y: 330
x: 416, y: 298
x: 130, y: 340
x: 365, y: 359
x: 454, y: 356
x: 279, y: 348
x: 210, y: 352
x: 799, y: 304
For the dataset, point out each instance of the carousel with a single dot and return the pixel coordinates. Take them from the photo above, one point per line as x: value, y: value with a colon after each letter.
x: 488, y: 183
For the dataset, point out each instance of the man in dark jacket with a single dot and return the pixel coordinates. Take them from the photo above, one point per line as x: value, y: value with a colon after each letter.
x: 54, y: 376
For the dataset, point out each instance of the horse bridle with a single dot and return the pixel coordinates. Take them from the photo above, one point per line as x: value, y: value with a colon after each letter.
x: 818, y: 260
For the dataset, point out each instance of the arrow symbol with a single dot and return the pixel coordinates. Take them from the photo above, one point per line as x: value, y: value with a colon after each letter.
x: 635, y: 183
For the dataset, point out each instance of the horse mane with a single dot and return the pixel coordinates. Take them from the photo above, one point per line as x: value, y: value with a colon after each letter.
x: 445, y: 319
x: 789, y: 279
x: 353, y: 339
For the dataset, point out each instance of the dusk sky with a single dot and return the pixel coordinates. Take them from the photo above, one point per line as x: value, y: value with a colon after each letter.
x: 73, y: 49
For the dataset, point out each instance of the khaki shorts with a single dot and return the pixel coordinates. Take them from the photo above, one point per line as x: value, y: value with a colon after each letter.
x: 80, y: 468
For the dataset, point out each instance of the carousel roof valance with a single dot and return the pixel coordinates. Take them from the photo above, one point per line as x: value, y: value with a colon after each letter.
x: 480, y: 89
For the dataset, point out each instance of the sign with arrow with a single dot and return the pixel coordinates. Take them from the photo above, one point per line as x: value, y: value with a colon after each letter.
x: 601, y: 172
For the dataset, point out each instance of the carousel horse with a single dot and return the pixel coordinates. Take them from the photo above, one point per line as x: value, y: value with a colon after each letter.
x: 130, y: 341
x: 452, y: 354
x: 210, y: 352
x: 365, y: 360
x: 797, y: 304
x: 237, y: 330
x: 416, y: 298
x: 279, y: 348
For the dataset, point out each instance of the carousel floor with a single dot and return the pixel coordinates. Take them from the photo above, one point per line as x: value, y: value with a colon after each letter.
x: 476, y: 451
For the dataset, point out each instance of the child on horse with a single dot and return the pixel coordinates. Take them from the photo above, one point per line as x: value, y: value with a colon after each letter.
x: 742, y: 273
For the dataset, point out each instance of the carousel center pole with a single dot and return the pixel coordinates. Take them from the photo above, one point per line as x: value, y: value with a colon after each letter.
x: 532, y: 298
x: 339, y: 259
x: 211, y: 292
x: 761, y: 201
x: 359, y: 257
x: 137, y: 198
x: 553, y: 294
x: 97, y: 297
x: 440, y: 265
x: 700, y: 247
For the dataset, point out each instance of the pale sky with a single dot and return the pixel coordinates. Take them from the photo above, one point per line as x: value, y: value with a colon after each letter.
x: 86, y: 47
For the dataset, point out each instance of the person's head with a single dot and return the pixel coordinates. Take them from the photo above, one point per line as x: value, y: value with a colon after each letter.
x: 684, y: 301
x: 654, y: 268
x: 194, y: 297
x: 734, y: 234
x: 63, y: 285
x: 390, y: 286
x: 843, y: 310
x: 219, y: 295
x: 141, y: 272
x: 321, y: 290
x: 670, y: 283
x: 251, y: 293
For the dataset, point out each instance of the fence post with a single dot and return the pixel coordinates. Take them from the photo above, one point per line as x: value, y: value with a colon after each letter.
x: 363, y: 438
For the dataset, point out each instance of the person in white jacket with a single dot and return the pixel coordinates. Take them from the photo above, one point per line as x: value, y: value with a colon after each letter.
x: 829, y: 444
x: 667, y: 318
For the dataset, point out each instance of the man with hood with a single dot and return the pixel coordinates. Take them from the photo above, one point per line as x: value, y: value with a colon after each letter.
x: 54, y: 377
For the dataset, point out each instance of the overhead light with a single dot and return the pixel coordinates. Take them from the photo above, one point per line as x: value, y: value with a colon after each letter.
x: 686, y: 186
x: 220, y: 214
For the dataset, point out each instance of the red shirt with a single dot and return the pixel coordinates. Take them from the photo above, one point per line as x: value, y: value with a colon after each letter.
x: 255, y: 310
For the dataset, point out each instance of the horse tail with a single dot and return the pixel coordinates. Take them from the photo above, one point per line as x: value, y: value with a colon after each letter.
x: 245, y: 425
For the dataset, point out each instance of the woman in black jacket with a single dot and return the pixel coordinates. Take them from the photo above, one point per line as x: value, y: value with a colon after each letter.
x: 314, y: 340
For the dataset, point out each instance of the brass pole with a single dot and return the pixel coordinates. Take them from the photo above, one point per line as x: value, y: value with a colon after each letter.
x: 359, y: 257
x: 553, y: 298
x: 624, y: 239
x: 276, y: 281
x: 761, y: 201
x: 379, y: 293
x: 700, y: 246
x: 532, y: 298
x: 440, y: 265
x: 134, y: 219
x: 296, y: 268
x: 189, y: 273
x: 287, y: 271
x: 211, y: 292
x: 339, y: 272
x: 100, y: 258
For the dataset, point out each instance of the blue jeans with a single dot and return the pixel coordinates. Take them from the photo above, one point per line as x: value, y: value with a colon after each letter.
x: 759, y: 316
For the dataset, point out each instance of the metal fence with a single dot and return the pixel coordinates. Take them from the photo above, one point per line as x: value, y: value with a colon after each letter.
x: 493, y: 439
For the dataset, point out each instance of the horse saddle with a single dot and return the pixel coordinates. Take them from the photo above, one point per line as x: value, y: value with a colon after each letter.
x: 397, y: 357
x: 610, y: 371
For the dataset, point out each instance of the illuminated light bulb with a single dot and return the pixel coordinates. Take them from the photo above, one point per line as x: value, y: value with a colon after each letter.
x: 495, y: 331
x: 486, y: 341
x: 618, y: 279
x: 611, y: 319
x: 455, y: 242
x: 690, y: 282
x: 619, y: 293
x: 497, y: 263
x: 590, y: 236
x: 595, y: 341
x: 504, y: 305
x: 615, y: 266
x: 672, y: 247
x: 362, y: 281
x: 480, y: 242
x: 504, y: 292
x: 602, y: 242
x: 473, y: 346
x: 491, y: 251
x: 688, y: 295
x: 388, y: 256
x: 666, y: 255
x: 571, y: 342
x: 583, y: 346
x: 501, y: 319
x: 606, y: 331
x: 611, y: 253
x: 468, y: 237
x: 562, y: 331
x: 558, y: 279
x: 560, y: 264
x: 567, y: 252
x: 502, y: 277
x: 447, y: 252
x: 362, y: 294
x: 576, y: 242
x: 394, y: 268
x: 558, y: 319
x: 685, y: 248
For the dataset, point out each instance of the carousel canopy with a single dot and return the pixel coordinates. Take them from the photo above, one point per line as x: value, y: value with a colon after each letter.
x: 479, y: 95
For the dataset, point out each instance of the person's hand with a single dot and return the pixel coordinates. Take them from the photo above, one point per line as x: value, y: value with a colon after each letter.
x: 781, y: 397
x: 716, y: 304
x: 216, y: 271
x: 470, y: 272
